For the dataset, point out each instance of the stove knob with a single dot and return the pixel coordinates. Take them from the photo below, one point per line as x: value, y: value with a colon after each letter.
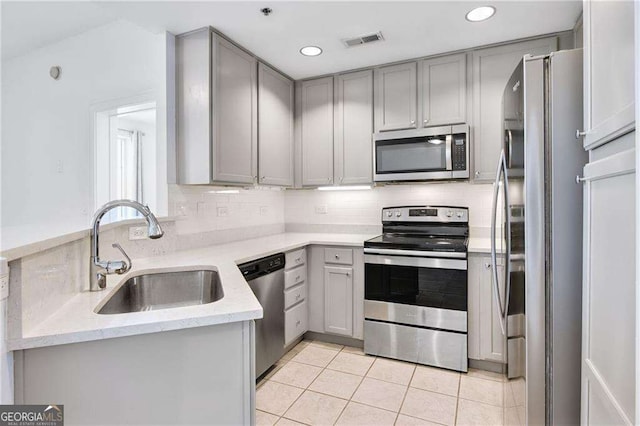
x: 459, y: 215
x: 449, y: 213
x: 389, y: 213
x: 398, y: 214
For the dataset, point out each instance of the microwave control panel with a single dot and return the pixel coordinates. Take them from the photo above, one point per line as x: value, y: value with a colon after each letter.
x: 459, y: 152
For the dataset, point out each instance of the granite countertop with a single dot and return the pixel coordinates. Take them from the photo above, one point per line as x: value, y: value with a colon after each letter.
x: 77, y: 321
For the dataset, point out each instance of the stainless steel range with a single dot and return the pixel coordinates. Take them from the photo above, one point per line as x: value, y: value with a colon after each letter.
x: 415, y: 304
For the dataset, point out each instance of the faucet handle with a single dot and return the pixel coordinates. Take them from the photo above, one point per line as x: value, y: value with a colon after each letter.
x: 123, y: 265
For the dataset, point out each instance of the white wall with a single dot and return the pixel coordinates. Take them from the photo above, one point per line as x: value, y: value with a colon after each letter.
x: 47, y: 146
x: 364, y: 207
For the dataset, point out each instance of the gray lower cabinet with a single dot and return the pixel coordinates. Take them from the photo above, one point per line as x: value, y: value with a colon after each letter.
x: 486, y: 341
x: 395, y: 95
x: 275, y: 127
x: 338, y: 300
x: 217, y: 138
x: 609, y: 79
x: 491, y: 69
x: 336, y: 290
x: 442, y: 90
x: 296, y: 310
x: 609, y: 299
x: 315, y: 129
x: 200, y: 375
x: 353, y: 128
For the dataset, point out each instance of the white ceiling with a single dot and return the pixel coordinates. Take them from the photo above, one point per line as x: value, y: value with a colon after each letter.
x: 410, y: 29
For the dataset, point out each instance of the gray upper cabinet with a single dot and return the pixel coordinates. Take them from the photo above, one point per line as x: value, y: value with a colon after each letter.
x: 353, y: 128
x: 492, y: 68
x: 395, y: 97
x: 315, y: 99
x: 216, y: 110
x: 609, y: 89
x: 442, y: 84
x: 275, y: 127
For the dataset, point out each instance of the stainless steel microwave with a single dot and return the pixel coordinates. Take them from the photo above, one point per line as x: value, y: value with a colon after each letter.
x: 432, y: 153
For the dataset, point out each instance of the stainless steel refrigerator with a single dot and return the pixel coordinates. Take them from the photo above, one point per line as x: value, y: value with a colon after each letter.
x: 537, y: 230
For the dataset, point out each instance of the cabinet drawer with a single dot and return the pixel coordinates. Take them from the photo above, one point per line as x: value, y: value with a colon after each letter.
x: 295, y: 276
x: 295, y: 295
x: 295, y: 258
x: 340, y: 256
x: 295, y: 322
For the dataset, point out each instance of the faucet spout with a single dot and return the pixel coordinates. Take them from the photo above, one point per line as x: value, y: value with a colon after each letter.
x: 100, y: 268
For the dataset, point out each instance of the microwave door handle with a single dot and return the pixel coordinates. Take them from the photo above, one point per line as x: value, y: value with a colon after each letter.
x: 447, y: 152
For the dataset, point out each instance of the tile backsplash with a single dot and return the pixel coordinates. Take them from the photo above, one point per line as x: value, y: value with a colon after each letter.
x: 363, y: 208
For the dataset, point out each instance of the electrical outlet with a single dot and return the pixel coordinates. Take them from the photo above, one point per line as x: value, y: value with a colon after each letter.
x: 138, y: 232
x: 223, y: 211
x: 4, y: 286
x: 321, y: 209
x: 264, y: 210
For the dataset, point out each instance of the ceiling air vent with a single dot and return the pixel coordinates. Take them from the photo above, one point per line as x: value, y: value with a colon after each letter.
x: 364, y: 39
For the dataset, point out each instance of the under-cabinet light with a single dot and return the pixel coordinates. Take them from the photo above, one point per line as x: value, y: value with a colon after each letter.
x: 344, y: 188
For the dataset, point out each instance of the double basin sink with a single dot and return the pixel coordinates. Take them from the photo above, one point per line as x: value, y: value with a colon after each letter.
x: 164, y: 290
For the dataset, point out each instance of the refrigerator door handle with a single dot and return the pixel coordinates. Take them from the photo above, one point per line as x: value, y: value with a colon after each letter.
x: 507, y: 262
x: 494, y: 260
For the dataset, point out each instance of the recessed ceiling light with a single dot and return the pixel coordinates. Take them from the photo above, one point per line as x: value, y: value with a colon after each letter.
x: 481, y: 13
x: 311, y: 51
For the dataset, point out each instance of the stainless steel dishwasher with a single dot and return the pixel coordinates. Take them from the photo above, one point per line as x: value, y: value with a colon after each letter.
x: 266, y: 278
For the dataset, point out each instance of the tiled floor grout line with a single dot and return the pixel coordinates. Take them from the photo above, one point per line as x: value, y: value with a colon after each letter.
x: 455, y: 417
x: 406, y: 392
x: 357, y: 387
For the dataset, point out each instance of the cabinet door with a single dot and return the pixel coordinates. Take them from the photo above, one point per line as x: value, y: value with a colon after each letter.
x: 353, y: 128
x: 492, y: 68
x: 316, y: 131
x: 275, y: 127
x: 396, y: 97
x: 492, y: 341
x: 609, y: 104
x: 443, y: 90
x: 609, y: 292
x: 338, y: 300
x: 235, y: 111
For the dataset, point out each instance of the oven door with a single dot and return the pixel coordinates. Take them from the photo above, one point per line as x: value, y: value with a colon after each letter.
x: 413, y: 155
x: 418, y: 291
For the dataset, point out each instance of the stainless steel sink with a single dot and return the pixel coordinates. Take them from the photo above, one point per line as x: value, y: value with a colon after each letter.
x: 150, y: 292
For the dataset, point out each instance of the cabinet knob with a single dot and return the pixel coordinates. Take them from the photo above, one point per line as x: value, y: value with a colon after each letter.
x: 413, y: 121
x: 262, y: 178
x: 348, y: 273
x: 297, y: 297
x: 298, y: 278
x: 487, y: 265
x: 477, y: 174
x: 297, y: 323
x: 337, y: 257
x: 580, y: 134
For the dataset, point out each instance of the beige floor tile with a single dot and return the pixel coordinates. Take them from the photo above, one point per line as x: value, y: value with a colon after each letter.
x: 336, y: 383
x: 481, y: 390
x: 265, y: 419
x: 275, y: 398
x: 413, y: 421
x: 296, y: 350
x: 352, y: 350
x: 436, y: 380
x: 314, y: 355
x: 392, y: 371
x: 350, y: 363
x: 359, y: 414
x: 296, y: 374
x: 327, y: 345
x: 287, y: 422
x: 489, y: 375
x: 476, y: 413
x: 316, y: 409
x: 380, y: 394
x: 431, y: 406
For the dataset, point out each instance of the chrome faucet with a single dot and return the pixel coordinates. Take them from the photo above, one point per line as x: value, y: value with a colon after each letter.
x: 101, y: 268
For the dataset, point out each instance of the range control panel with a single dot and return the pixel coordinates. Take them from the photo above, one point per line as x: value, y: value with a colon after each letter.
x: 425, y: 214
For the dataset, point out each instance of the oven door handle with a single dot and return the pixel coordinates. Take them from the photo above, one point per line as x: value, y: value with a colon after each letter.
x: 400, y: 252
x: 416, y: 262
